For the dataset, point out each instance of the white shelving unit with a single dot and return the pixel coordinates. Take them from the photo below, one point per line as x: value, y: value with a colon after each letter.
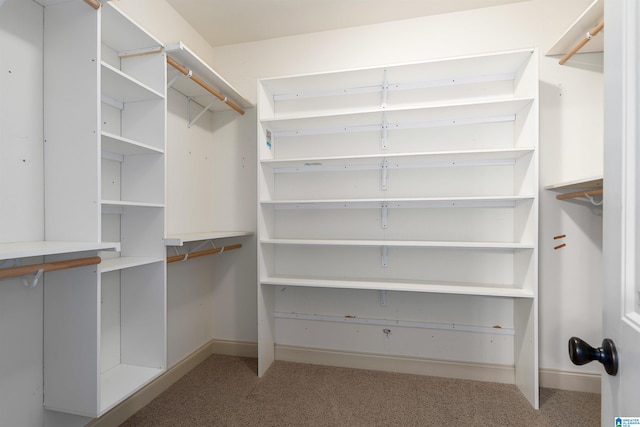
x: 416, y: 178
x: 105, y: 120
x: 195, y: 92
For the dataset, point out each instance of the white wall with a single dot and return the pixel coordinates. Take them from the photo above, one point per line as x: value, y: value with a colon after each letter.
x: 211, y: 177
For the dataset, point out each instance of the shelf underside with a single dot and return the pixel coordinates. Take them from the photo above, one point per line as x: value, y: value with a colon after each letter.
x: 188, y: 88
x: 120, y: 263
x: 402, y: 160
x: 591, y: 17
x: 505, y: 291
x: 402, y: 243
x: 14, y: 250
x: 457, y: 113
x: 429, y: 202
x: 179, y: 239
x: 419, y: 74
x: 123, y: 146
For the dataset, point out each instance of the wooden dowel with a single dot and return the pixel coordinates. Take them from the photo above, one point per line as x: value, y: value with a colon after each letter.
x: 560, y: 246
x: 7, y: 273
x: 203, y: 253
x: 93, y: 3
x: 175, y: 64
x: 559, y: 236
x: 581, y: 43
x: 576, y: 194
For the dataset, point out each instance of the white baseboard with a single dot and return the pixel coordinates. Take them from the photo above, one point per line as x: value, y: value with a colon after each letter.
x: 549, y: 378
x: 235, y: 348
x: 574, y: 381
x: 405, y: 365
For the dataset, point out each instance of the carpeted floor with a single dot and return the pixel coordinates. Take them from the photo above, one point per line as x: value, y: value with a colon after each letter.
x: 225, y: 391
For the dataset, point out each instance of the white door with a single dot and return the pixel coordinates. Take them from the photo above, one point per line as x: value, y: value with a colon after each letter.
x: 621, y: 245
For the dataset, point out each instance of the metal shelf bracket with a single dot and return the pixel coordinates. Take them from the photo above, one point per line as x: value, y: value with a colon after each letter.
x: 204, y: 109
x: 384, y: 256
x: 385, y: 209
x: 385, y: 172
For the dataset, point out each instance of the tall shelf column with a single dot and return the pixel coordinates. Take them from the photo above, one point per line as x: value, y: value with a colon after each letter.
x: 105, y: 137
x: 417, y: 178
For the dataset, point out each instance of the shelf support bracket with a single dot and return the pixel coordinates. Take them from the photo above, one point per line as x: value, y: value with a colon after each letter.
x: 385, y: 171
x: 385, y: 208
x: 383, y: 297
x: 174, y: 79
x: 204, y: 110
x: 385, y: 90
x: 384, y: 257
x: 385, y: 132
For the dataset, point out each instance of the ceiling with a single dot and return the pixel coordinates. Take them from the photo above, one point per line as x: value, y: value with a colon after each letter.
x: 223, y: 22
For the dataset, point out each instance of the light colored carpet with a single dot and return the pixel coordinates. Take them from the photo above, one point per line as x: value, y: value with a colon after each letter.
x: 225, y: 391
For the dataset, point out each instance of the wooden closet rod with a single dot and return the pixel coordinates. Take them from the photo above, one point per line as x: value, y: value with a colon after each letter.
x: 576, y: 194
x: 175, y: 64
x: 582, y: 42
x: 202, y: 253
x: 19, y: 271
x: 93, y: 3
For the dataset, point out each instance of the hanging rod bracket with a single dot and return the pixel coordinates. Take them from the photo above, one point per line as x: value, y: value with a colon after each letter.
x: 34, y: 281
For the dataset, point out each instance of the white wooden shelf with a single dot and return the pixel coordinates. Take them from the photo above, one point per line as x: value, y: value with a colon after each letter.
x: 188, y: 88
x: 402, y: 243
x: 179, y: 239
x: 578, y: 184
x: 122, y: 381
x: 120, y: 263
x: 123, y: 88
x: 402, y: 117
x: 447, y: 70
x: 592, y: 16
x: 15, y: 250
x: 124, y: 203
x: 580, y: 189
x: 415, y: 202
x: 117, y: 144
x: 505, y: 291
x: 399, y: 160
